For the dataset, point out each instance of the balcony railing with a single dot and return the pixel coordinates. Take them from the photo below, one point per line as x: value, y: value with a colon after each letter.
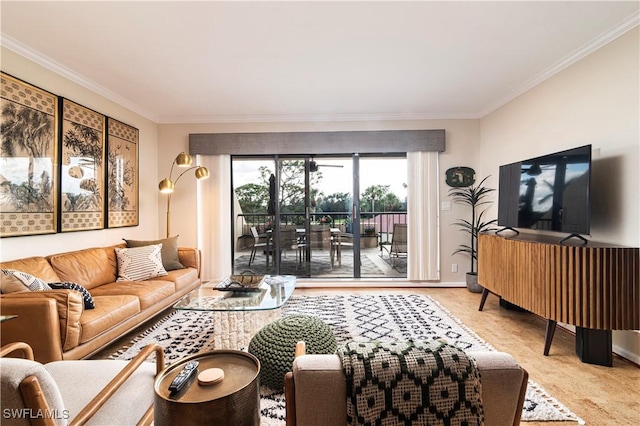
x: 378, y: 223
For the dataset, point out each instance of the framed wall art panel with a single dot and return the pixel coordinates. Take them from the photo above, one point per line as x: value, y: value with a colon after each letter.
x: 122, y: 174
x: 82, y: 168
x: 28, y: 159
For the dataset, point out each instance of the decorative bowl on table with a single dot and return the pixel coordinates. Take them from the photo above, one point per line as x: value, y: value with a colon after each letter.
x: 241, y: 283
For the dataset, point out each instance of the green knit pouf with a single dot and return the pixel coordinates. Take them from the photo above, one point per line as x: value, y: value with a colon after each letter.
x: 274, y: 345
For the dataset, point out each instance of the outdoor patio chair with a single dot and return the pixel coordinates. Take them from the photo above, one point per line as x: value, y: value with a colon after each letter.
x: 398, y: 246
x: 288, y: 241
x: 257, y: 243
x: 339, y: 241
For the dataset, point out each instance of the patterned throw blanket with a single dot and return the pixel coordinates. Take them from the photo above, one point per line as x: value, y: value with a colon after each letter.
x: 411, y: 383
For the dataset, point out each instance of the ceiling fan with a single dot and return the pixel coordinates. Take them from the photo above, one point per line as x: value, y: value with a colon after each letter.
x: 313, y: 166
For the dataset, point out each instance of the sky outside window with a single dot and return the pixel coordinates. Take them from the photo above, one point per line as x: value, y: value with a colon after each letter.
x: 373, y: 171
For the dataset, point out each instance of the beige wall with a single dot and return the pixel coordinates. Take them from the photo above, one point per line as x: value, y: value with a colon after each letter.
x: 17, y: 247
x: 596, y: 101
x: 462, y: 150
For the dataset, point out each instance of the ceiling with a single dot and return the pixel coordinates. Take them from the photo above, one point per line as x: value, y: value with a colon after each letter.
x: 187, y: 62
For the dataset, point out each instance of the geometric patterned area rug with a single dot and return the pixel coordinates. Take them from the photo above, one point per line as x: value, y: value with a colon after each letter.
x: 354, y: 317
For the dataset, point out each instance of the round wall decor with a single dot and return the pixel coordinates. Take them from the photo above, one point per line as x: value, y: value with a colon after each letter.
x: 460, y: 176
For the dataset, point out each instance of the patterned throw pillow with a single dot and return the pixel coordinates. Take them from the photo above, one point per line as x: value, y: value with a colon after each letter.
x: 140, y: 263
x: 169, y: 252
x: 86, y: 296
x: 10, y: 284
x: 29, y: 281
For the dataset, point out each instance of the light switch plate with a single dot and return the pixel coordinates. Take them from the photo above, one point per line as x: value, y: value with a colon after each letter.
x: 446, y: 205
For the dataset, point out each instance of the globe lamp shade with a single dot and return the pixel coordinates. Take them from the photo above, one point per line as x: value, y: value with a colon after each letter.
x: 183, y: 160
x: 166, y: 186
x: 202, y: 173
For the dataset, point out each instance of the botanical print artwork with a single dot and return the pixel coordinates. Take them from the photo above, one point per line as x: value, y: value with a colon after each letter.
x: 28, y: 159
x: 82, y: 162
x: 122, y: 175
x: 57, y: 173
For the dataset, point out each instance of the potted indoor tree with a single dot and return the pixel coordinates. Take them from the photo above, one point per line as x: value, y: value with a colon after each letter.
x: 474, y: 197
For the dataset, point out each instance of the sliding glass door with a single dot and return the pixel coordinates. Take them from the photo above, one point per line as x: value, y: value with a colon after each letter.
x: 297, y: 215
x: 383, y: 216
x: 330, y: 252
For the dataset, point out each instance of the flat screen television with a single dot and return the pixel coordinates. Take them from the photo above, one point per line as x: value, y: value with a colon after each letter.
x: 550, y: 192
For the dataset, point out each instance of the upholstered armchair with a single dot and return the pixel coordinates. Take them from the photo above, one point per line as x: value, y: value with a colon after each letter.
x: 105, y: 392
x: 315, y: 390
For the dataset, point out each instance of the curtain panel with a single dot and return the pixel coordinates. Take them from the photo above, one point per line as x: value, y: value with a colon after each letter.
x: 423, y: 239
x: 214, y: 217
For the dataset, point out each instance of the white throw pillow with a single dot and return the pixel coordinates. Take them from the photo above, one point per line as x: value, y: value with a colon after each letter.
x: 140, y: 263
x: 29, y: 281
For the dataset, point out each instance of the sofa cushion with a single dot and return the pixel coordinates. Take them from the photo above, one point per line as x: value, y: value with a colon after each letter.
x: 169, y: 252
x: 181, y: 278
x: 109, y: 312
x: 29, y: 281
x: 140, y: 263
x: 86, y: 296
x: 148, y: 292
x: 89, y: 267
x: 37, y: 266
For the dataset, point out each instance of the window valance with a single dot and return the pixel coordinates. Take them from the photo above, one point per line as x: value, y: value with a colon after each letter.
x: 342, y: 142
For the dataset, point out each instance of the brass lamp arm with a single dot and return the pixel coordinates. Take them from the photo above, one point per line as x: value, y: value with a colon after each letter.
x: 167, y: 185
x: 180, y: 175
x: 168, y: 213
x: 171, y: 193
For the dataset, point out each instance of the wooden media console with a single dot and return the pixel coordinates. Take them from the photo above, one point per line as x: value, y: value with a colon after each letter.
x: 594, y: 287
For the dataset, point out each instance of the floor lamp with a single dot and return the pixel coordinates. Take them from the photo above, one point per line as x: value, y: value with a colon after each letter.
x: 167, y: 185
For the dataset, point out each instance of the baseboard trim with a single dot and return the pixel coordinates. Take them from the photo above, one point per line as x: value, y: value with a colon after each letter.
x: 630, y: 356
x: 377, y: 283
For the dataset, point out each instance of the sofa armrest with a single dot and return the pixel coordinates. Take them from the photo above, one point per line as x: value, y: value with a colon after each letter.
x: 319, y: 389
x: 504, y: 384
x: 49, y: 321
x: 190, y: 257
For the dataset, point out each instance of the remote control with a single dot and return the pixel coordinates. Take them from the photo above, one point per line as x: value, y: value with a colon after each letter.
x: 183, y: 376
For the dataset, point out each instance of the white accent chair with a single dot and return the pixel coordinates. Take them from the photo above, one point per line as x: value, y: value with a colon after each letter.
x: 76, y: 392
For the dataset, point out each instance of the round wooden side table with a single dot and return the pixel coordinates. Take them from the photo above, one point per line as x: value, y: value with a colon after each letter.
x: 233, y: 401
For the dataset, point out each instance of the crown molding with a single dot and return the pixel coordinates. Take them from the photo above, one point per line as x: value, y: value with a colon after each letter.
x: 310, y: 118
x: 608, y: 36
x: 51, y: 65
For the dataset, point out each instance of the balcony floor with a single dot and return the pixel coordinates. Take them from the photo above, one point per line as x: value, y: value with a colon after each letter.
x: 373, y: 266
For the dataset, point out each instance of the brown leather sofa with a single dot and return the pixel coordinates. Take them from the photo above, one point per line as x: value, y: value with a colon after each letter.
x: 54, y: 322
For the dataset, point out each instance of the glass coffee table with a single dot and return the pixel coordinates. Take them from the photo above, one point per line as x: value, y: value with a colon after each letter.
x: 239, y: 315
